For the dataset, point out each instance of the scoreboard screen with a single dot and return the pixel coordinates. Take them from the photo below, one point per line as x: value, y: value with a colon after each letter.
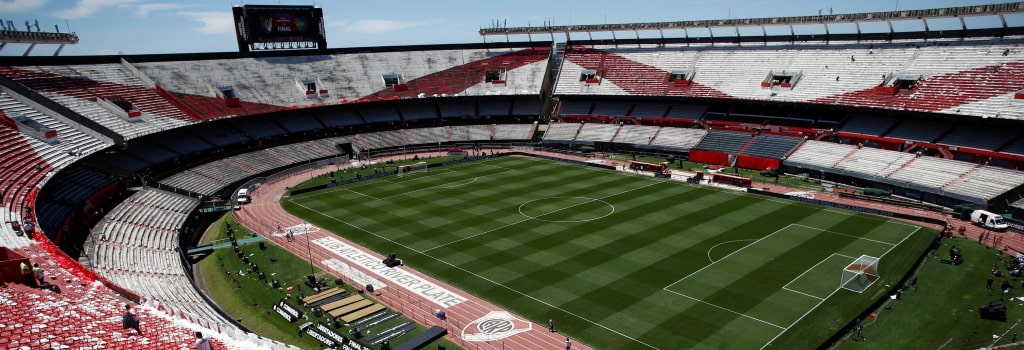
x: 275, y: 24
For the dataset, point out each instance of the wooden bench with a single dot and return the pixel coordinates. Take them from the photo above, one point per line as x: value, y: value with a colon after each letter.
x: 322, y: 295
x: 350, y: 308
x: 341, y: 303
x: 352, y: 317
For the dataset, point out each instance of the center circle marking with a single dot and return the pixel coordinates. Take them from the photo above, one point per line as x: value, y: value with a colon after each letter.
x: 570, y: 202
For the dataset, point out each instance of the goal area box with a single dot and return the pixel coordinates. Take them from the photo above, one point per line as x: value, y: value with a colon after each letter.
x: 412, y: 168
x: 860, y: 274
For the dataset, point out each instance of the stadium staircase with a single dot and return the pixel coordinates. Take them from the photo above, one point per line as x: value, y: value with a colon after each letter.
x: 848, y: 156
x: 901, y: 167
x: 961, y: 177
x: 243, y: 166
x: 363, y: 140
x: 746, y: 145
x: 272, y: 152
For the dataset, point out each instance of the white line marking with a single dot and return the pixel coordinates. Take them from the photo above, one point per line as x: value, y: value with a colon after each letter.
x: 414, y: 177
x: 843, y: 234
x: 459, y: 183
x: 769, y: 343
x: 889, y: 219
x: 786, y: 287
x: 716, y: 245
x: 530, y: 218
x: 728, y: 255
x: 360, y: 193
x: 435, y: 186
x: 725, y: 309
x: 805, y: 294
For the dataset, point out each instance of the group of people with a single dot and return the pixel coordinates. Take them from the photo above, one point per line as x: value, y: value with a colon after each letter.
x: 131, y: 321
x: 33, y: 275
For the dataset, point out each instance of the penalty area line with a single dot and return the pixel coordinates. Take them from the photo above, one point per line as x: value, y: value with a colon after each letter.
x: 725, y: 309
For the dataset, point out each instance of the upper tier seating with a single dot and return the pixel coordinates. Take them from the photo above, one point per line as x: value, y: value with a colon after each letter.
x: 78, y: 89
x: 70, y: 139
x: 958, y: 77
x: 277, y: 81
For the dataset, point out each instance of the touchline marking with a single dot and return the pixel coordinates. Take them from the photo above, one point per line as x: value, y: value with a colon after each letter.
x: 530, y: 218
x: 843, y: 234
x: 725, y: 309
x: 436, y: 186
x: 415, y: 177
x: 360, y: 193
x: 364, y: 184
x: 478, y: 276
x: 459, y: 183
x: 888, y: 219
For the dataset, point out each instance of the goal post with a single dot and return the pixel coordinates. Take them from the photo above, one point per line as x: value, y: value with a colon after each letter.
x: 860, y: 274
x: 412, y: 168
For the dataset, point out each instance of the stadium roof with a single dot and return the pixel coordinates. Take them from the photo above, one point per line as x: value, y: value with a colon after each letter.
x: 924, y: 15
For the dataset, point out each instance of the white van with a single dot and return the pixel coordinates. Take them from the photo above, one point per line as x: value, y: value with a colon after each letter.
x: 243, y: 196
x: 989, y: 220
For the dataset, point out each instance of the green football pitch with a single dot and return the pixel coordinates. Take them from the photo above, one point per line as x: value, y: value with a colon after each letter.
x: 625, y: 261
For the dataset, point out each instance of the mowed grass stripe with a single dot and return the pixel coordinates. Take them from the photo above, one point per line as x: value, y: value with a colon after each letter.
x: 609, y: 271
x: 600, y: 302
x: 747, y: 293
x: 682, y: 262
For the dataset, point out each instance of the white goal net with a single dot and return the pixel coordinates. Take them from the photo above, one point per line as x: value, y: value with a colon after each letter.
x: 860, y: 274
x: 412, y: 168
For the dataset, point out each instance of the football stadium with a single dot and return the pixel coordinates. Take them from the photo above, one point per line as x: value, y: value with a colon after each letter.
x: 793, y: 182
